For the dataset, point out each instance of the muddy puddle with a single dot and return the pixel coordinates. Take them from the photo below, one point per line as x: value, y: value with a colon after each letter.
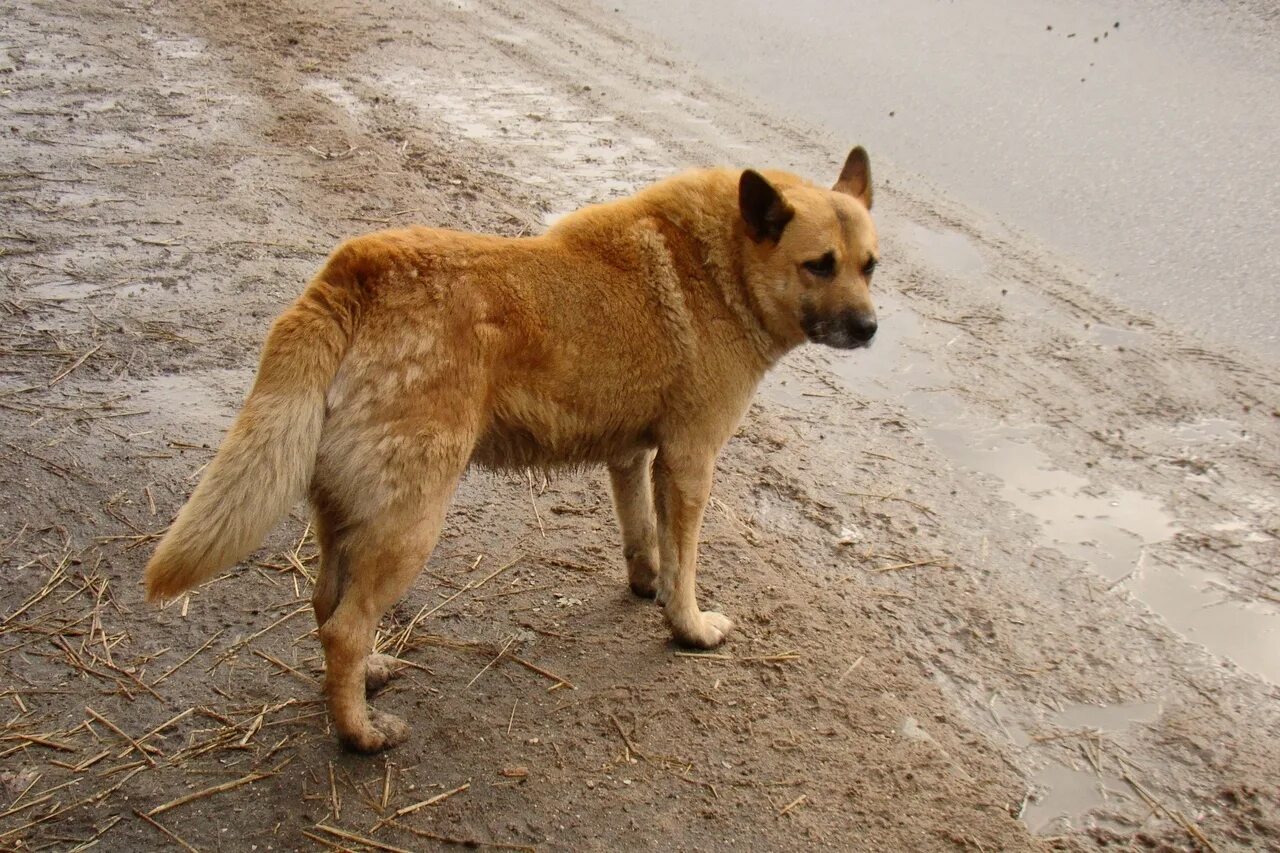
x: 1121, y: 534
x: 1115, y: 336
x: 1107, y: 529
x: 1061, y: 794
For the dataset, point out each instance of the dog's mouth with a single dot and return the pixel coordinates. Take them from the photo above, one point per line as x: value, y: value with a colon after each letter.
x: 850, y: 330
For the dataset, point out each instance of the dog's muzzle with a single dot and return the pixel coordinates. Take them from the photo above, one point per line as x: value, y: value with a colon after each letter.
x: 849, y: 330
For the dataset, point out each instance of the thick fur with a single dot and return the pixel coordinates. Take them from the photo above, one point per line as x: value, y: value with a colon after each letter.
x: 632, y: 334
x: 266, y: 460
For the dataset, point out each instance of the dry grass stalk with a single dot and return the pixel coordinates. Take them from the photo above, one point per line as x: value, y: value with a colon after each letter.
x: 129, y: 675
x: 791, y: 805
x: 92, y: 840
x: 56, y: 578
x: 632, y: 749
x: 40, y: 740
x: 569, y: 564
x: 169, y: 722
x: 298, y: 567
x: 404, y: 636
x: 471, y: 645
x: 92, y: 760
x: 895, y: 498
x: 360, y: 839
x: 560, y: 680
x: 235, y: 647
x: 187, y: 660
x: 141, y: 750
x: 61, y: 810
x: 327, y: 843
x: 940, y: 562
x: 647, y: 757
x: 208, y: 792
x: 335, y: 804
x: 79, y: 361
x: 284, y: 666
x: 386, y: 788
x: 1173, y: 814
x: 17, y: 809
x: 496, y: 658
x: 430, y: 801
x: 517, y: 591
x: 425, y: 611
x: 168, y: 832
x: 778, y: 657
x: 851, y: 668
x: 295, y: 556
x: 534, y: 503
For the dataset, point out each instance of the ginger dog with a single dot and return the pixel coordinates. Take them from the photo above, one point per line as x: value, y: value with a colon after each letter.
x: 631, y: 334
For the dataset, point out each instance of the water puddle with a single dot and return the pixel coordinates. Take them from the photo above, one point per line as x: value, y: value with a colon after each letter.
x: 207, y: 400
x: 1114, y: 336
x: 1067, y: 794
x: 1210, y: 431
x: 1106, y: 529
x: 1197, y: 604
x: 945, y: 251
x: 1109, y: 529
x: 1071, y: 789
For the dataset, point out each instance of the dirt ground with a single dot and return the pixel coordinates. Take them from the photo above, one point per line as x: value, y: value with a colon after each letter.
x: 1008, y: 580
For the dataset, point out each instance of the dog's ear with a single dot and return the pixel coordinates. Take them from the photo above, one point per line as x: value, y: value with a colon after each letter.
x: 764, y: 210
x: 855, y: 177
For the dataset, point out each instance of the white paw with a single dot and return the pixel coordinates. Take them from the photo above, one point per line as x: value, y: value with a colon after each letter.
x: 703, y: 629
x: 378, y: 670
x: 382, y: 731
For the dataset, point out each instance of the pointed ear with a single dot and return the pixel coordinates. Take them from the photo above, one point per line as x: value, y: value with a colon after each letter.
x: 764, y: 210
x: 855, y: 177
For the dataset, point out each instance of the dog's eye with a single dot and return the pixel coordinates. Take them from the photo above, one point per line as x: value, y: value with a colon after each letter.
x: 823, y: 267
x: 869, y: 267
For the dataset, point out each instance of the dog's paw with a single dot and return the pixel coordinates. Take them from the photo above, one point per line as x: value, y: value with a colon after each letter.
x: 378, y: 670
x: 703, y: 629
x: 383, y: 732
x: 643, y: 587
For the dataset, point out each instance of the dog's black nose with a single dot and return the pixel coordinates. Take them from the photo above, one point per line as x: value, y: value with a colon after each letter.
x: 863, y: 327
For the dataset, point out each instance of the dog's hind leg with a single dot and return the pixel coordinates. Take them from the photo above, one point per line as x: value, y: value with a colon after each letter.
x: 332, y: 575
x: 682, y: 484
x: 331, y: 580
x: 393, y: 476
x: 633, y: 502
x: 386, y: 552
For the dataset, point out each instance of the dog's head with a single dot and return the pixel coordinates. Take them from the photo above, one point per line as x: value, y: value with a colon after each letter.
x: 810, y: 253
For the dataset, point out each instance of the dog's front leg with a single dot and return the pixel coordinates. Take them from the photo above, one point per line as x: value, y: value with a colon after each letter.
x: 633, y: 501
x: 682, y: 484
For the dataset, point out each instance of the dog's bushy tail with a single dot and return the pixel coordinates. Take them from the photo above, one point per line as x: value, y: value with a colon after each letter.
x: 267, y: 458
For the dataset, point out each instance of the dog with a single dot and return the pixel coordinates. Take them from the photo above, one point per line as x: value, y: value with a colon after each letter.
x: 631, y: 334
